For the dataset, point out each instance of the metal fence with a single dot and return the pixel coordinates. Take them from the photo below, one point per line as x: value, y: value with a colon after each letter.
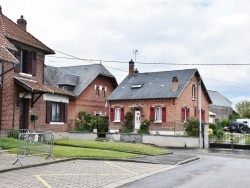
x: 34, y: 144
x: 231, y: 140
x: 9, y: 137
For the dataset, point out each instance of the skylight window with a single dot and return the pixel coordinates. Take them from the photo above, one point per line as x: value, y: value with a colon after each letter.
x: 136, y: 86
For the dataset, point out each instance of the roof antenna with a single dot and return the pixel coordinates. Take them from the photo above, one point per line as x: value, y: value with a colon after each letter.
x: 135, y: 52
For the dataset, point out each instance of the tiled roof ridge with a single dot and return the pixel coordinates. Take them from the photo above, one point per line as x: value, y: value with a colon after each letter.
x: 20, y: 36
x: 1, y: 21
x: 169, y: 71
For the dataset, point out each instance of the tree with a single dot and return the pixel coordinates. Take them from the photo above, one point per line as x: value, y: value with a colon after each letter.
x: 243, y: 108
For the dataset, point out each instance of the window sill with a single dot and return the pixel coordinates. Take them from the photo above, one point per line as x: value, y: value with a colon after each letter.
x: 193, y: 99
x: 25, y: 75
x: 117, y: 121
x: 157, y: 122
x: 56, y: 123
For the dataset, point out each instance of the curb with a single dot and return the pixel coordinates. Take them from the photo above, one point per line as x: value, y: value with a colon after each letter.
x: 188, y: 160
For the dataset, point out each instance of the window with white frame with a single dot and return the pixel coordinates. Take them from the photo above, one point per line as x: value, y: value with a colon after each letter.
x: 117, y: 115
x: 158, y: 114
x: 56, y: 114
x: 193, y: 92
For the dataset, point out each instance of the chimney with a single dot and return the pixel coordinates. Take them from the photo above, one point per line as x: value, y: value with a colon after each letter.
x: 175, y: 84
x: 22, y: 23
x: 131, y: 68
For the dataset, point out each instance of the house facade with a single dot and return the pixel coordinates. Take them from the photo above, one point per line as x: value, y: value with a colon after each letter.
x: 168, y: 98
x: 25, y: 101
x: 220, y: 108
x: 91, y: 84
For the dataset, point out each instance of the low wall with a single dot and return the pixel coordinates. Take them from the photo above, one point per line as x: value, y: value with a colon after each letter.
x: 159, y: 140
x: 171, y: 141
x: 82, y: 136
x: 60, y: 135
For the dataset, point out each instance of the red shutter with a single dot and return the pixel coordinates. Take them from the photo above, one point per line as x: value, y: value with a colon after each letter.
x: 34, y: 56
x: 203, y: 115
x: 122, y: 114
x: 111, y: 114
x: 18, y: 57
x: 182, y: 114
x: 48, y: 111
x: 164, y: 114
x: 195, y: 112
x: 152, y: 113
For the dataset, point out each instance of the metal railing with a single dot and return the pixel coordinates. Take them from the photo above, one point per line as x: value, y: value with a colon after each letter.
x: 35, y: 144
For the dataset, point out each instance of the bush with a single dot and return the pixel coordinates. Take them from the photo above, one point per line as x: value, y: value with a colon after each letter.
x: 128, y: 123
x: 192, y: 127
x: 101, y: 124
x: 144, y: 127
x: 210, y: 132
x: 13, y: 134
x: 87, y: 124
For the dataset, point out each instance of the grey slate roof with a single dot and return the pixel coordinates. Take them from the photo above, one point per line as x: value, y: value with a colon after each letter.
x: 218, y: 99
x: 80, y: 76
x: 156, y: 85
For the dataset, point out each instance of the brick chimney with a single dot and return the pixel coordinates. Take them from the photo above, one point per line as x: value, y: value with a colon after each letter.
x: 131, y: 68
x: 21, y: 22
x: 175, y: 84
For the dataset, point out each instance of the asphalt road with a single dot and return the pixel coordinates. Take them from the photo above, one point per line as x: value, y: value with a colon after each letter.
x: 213, y: 170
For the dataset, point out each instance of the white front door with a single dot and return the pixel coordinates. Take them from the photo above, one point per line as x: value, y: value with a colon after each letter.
x: 137, y: 119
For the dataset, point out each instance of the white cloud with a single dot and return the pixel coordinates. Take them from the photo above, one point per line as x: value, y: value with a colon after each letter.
x: 166, y: 31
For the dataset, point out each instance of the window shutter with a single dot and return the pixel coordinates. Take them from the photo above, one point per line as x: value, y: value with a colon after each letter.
x: 195, y: 112
x: 152, y: 113
x: 122, y: 114
x: 48, y: 111
x: 33, y: 64
x: 65, y: 113
x: 18, y: 57
x: 182, y: 114
x: 29, y: 63
x: 164, y: 114
x: 111, y: 114
x: 188, y: 113
x: 203, y: 115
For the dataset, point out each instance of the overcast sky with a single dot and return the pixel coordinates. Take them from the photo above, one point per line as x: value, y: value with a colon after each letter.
x: 164, y: 32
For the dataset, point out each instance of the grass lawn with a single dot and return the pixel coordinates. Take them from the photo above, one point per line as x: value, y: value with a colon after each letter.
x: 66, y: 148
x: 113, y: 146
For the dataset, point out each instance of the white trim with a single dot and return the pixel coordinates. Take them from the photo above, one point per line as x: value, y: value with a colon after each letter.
x: 55, y: 98
x: 25, y: 75
x: 56, y: 123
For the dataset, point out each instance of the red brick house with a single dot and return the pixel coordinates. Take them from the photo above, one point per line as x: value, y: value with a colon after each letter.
x: 25, y: 101
x: 91, y: 84
x: 168, y: 98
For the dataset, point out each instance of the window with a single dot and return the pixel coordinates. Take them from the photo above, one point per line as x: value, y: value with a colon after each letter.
x: 158, y: 114
x: 104, y: 91
x: 136, y: 86
x: 184, y: 114
x: 27, y: 61
x: 117, y: 114
x: 193, y: 92
x: 56, y: 112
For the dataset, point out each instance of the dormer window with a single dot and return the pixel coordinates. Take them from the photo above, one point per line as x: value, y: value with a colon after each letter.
x: 136, y: 86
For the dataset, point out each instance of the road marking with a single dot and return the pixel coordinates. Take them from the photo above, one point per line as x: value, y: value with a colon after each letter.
x: 43, y: 181
x: 121, y: 168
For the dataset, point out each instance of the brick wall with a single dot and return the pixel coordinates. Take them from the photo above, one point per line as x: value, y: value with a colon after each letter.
x: 89, y: 101
x: 173, y: 108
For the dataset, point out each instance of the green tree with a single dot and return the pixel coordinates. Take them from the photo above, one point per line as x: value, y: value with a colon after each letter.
x: 128, y: 123
x: 243, y: 108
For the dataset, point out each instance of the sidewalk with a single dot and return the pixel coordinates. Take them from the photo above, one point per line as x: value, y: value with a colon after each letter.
x: 178, y: 157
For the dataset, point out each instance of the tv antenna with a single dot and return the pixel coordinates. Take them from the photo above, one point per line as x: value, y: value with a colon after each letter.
x: 135, y: 52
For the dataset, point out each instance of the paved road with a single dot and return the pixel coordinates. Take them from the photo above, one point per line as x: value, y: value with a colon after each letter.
x: 107, y: 174
x: 212, y: 171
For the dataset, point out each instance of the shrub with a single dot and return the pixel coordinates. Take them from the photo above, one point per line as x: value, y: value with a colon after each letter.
x: 87, y: 124
x: 210, y: 132
x: 128, y: 123
x: 101, y: 124
x: 13, y: 134
x: 192, y: 127
x: 144, y: 127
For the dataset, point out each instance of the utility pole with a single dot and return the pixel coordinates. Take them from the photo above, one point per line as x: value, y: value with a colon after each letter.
x: 200, y: 131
